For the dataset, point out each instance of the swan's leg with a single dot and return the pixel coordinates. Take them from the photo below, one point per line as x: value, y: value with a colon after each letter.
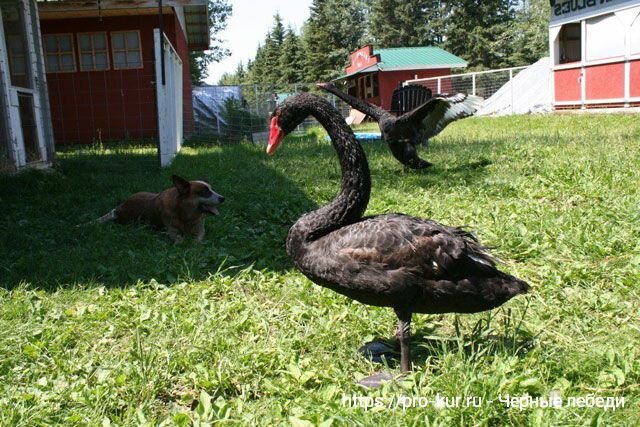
x: 404, y: 335
x: 406, y: 153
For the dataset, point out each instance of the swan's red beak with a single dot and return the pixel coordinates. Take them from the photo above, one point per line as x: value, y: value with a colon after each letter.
x: 275, y: 136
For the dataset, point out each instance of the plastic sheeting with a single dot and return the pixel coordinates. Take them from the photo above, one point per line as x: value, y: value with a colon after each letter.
x: 209, y: 105
x: 528, y: 92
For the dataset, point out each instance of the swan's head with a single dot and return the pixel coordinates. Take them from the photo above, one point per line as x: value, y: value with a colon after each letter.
x: 290, y: 114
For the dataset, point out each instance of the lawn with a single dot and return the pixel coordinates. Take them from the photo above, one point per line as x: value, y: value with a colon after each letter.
x: 110, y: 325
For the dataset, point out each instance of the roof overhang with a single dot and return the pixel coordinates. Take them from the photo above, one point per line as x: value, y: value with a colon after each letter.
x: 380, y: 67
x: 195, y: 13
x: 422, y: 67
x: 563, y: 12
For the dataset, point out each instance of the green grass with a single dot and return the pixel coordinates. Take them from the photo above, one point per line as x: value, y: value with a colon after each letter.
x: 112, y: 325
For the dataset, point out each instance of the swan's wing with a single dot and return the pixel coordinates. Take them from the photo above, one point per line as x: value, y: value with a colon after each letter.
x: 460, y: 106
x: 369, y: 109
x: 438, y: 112
x: 418, y: 247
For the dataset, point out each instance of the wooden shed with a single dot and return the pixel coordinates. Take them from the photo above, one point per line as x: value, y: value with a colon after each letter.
x: 119, y: 69
x: 374, y: 73
x: 595, y: 52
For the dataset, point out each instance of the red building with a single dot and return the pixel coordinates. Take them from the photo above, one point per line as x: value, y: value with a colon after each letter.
x: 374, y: 74
x: 105, y: 62
x: 595, y: 51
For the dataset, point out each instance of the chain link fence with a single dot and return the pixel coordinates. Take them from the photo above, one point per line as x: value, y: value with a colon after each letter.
x: 117, y: 112
x: 516, y: 90
x: 242, y: 113
x: 119, y: 109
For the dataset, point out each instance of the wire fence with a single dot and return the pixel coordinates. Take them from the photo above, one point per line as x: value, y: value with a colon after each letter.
x: 119, y: 108
x: 242, y: 113
x: 516, y: 90
x: 115, y: 109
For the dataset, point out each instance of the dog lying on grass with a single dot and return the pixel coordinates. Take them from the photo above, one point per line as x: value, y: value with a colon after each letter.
x: 180, y: 209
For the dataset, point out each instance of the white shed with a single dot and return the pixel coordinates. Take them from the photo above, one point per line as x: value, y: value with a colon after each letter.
x: 26, y: 137
x: 595, y: 52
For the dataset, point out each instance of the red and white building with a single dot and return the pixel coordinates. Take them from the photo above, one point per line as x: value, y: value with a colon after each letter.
x: 595, y: 52
x: 374, y: 73
x: 119, y: 69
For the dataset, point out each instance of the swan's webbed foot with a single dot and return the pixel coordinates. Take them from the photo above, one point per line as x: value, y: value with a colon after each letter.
x: 406, y: 153
x: 379, y: 351
x: 418, y: 163
x: 376, y: 380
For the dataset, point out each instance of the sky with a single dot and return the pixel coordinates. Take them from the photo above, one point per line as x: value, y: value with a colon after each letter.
x: 248, y: 26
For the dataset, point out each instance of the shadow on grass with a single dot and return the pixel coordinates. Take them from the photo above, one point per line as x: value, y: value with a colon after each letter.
x: 427, y: 344
x: 42, y: 247
x: 454, y: 165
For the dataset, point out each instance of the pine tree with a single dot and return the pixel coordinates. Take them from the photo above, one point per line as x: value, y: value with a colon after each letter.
x: 219, y: 12
x: 529, y: 34
x: 291, y: 61
x: 237, y: 78
x: 478, y: 31
x: 255, y: 68
x: 400, y: 23
x: 335, y: 28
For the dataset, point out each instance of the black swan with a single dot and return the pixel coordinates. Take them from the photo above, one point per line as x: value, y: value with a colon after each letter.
x: 412, y: 265
x: 403, y: 133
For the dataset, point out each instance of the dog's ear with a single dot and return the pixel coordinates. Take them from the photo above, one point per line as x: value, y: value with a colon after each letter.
x: 181, y: 184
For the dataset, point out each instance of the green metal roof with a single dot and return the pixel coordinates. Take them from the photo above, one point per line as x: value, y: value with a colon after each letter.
x: 419, y: 57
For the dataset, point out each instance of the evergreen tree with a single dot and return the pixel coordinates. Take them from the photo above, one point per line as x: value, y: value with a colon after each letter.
x: 255, y: 68
x: 237, y: 78
x: 399, y: 23
x: 478, y: 31
x: 291, y: 61
x: 219, y: 12
x: 335, y: 28
x: 271, y: 52
x: 530, y: 32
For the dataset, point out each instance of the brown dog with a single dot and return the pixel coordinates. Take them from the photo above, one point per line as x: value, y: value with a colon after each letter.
x: 180, y: 209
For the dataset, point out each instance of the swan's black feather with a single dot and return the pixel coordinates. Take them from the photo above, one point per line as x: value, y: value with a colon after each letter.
x: 405, y: 132
x: 394, y: 260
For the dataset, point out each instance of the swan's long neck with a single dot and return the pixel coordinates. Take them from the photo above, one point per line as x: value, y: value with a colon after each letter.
x: 369, y: 109
x: 351, y: 202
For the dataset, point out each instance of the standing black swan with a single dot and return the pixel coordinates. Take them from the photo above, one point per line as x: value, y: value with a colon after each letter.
x: 403, y: 133
x: 412, y: 265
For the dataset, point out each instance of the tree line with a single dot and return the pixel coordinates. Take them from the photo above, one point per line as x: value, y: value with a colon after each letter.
x: 488, y: 34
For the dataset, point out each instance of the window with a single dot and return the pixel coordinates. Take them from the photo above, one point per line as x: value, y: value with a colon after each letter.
x: 93, y: 51
x: 59, y: 53
x: 570, y: 43
x: 605, y: 37
x: 126, y: 49
x: 13, y: 22
x: 367, y: 86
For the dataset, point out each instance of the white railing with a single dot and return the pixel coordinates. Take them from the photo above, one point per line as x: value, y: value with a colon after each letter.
x: 516, y: 90
x: 169, y: 98
x: 480, y: 83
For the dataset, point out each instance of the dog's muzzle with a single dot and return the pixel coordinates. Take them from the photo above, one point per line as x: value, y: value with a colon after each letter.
x: 210, y: 206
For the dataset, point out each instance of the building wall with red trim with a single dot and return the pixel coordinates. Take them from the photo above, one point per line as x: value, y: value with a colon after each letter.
x: 604, y: 81
x: 567, y: 85
x: 88, y: 106
x: 634, y: 78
